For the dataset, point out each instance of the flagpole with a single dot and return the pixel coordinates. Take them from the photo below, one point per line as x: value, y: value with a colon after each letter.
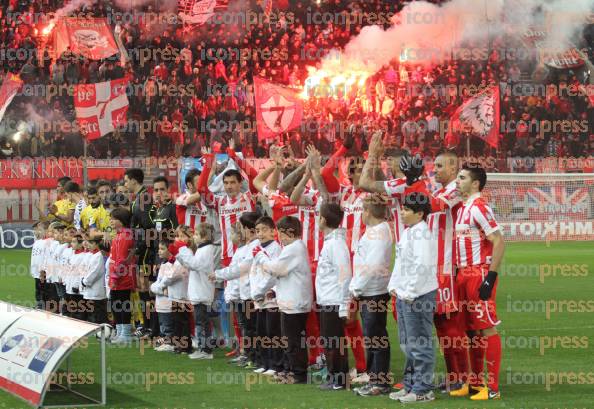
x: 468, y: 145
x: 85, y: 171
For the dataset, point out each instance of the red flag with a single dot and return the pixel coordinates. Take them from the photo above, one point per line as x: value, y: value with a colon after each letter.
x: 90, y: 37
x: 478, y: 115
x: 10, y: 86
x: 100, y: 107
x: 278, y: 109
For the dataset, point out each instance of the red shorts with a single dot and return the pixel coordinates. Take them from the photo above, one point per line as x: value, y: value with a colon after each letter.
x: 447, y: 294
x: 479, y: 314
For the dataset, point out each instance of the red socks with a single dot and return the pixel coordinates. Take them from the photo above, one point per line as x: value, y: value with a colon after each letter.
x: 453, y: 342
x: 354, y: 334
x: 461, y: 359
x: 312, y: 331
x: 493, y: 360
x: 489, y: 348
x: 477, y: 358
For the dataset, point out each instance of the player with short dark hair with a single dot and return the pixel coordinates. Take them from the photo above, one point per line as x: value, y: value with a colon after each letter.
x: 479, y: 252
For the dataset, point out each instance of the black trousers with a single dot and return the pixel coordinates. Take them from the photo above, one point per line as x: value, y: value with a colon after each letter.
x: 121, y: 306
x: 182, y: 337
x: 272, y: 343
x: 374, y: 311
x: 293, y: 333
x: 335, y: 345
x: 202, y: 321
x: 262, y: 354
x: 74, y: 306
x: 96, y: 311
x: 246, y: 318
x: 39, y: 295
x: 60, y: 292
x: 151, y: 319
x: 51, y: 301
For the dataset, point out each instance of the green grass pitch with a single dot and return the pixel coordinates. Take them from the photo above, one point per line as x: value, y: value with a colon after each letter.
x: 545, y: 301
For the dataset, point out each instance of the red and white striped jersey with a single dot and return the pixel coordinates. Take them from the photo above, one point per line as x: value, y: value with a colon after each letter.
x: 229, y: 211
x: 397, y: 227
x: 280, y: 204
x: 441, y: 223
x: 193, y: 214
x: 351, y: 202
x: 474, y: 223
x: 309, y: 216
x: 397, y: 189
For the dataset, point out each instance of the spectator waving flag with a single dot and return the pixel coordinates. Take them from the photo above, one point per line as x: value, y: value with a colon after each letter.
x: 278, y: 109
x: 478, y: 115
x: 100, y: 107
x: 10, y: 86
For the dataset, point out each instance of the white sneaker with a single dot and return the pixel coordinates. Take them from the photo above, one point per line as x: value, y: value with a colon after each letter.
x: 270, y: 372
x: 165, y: 348
x: 361, y: 378
x: 259, y: 370
x: 200, y: 355
x: 399, y: 394
x: 195, y: 343
x: 413, y: 397
x: 353, y: 373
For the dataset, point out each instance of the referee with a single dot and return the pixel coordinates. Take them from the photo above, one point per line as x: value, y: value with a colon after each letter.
x: 164, y: 217
x: 143, y: 227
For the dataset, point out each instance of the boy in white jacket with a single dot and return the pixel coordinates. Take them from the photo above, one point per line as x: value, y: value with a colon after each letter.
x: 200, y: 288
x: 62, y: 268
x: 369, y: 286
x: 294, y: 295
x: 92, y: 283
x: 49, y: 266
x: 333, y: 276
x: 269, y: 354
x: 232, y: 293
x: 246, y: 316
x: 72, y: 271
x: 414, y: 284
x: 38, y: 254
x: 175, y: 281
x: 163, y: 304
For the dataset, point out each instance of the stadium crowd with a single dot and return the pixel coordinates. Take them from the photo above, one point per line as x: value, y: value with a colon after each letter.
x: 298, y: 259
x: 216, y: 65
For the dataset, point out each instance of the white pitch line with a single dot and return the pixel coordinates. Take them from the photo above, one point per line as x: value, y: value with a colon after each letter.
x: 550, y: 329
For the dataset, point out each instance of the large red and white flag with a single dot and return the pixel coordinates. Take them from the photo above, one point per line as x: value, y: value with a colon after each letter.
x: 90, y: 37
x: 278, y: 109
x: 479, y: 116
x: 100, y: 107
x: 10, y: 86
